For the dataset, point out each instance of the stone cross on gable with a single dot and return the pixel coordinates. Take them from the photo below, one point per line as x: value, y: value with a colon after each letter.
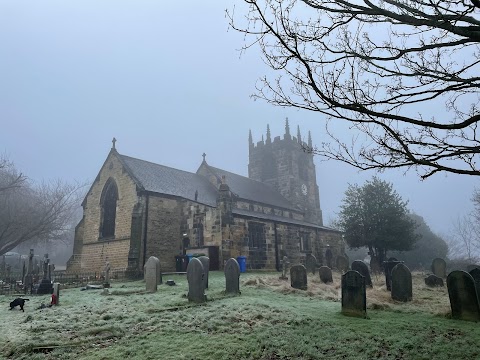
x: 113, y: 143
x: 204, y: 155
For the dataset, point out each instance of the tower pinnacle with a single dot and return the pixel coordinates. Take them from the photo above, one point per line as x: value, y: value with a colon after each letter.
x: 269, y: 139
x: 287, y: 129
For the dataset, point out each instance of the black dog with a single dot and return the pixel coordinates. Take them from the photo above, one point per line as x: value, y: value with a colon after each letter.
x: 18, y: 302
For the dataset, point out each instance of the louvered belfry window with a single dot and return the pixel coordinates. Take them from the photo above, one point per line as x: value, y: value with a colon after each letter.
x: 109, y: 209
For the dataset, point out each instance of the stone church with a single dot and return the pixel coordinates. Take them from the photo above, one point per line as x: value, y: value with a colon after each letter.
x: 136, y: 209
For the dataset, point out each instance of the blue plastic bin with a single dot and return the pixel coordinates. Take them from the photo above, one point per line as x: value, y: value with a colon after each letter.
x: 242, y: 262
x: 189, y: 256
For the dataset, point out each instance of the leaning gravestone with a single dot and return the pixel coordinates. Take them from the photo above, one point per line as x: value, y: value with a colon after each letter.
x: 232, y: 277
x: 439, y: 267
x: 433, y: 280
x: 354, y: 295
x: 151, y: 273
x: 472, y: 266
x: 401, y: 283
x: 206, y: 267
x: 388, y: 267
x: 342, y: 263
x: 325, y: 274
x: 196, y: 285
x: 298, y: 277
x: 362, y: 268
x: 475, y: 273
x: 311, y: 263
x: 463, y: 296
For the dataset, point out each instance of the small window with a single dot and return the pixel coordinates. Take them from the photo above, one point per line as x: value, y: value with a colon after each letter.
x: 256, y: 235
x: 305, y: 242
x: 109, y: 209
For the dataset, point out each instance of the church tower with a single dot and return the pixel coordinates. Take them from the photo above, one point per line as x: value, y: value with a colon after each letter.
x: 284, y: 165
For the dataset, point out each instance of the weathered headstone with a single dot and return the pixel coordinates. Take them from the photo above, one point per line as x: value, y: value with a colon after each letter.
x: 439, y: 267
x: 232, y: 277
x: 433, y: 280
x: 401, y: 283
x: 388, y: 266
x: 196, y: 285
x: 151, y: 274
x: 342, y: 263
x: 106, y: 269
x: 46, y: 260
x: 285, y: 264
x: 362, y: 268
x: 56, y: 293
x: 463, y: 296
x: 311, y: 263
x: 28, y: 280
x: 298, y: 277
x: 206, y: 267
x: 354, y: 294
x: 325, y: 274
x: 475, y: 273
x: 51, y: 269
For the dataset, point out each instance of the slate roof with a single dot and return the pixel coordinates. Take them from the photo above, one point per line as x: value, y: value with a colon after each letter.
x: 166, y: 180
x: 273, y: 217
x: 253, y: 190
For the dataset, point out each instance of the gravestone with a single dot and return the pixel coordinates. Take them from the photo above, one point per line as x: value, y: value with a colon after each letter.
x: 151, y: 274
x: 206, y: 267
x: 388, y: 266
x: 463, y: 296
x: 51, y: 269
x: 342, y: 263
x: 232, y: 277
x: 285, y: 264
x: 401, y: 283
x: 354, y: 294
x: 196, y: 285
x: 439, y: 267
x: 433, y: 280
x: 475, y: 273
x: 106, y: 269
x: 28, y: 280
x: 325, y: 274
x: 311, y: 263
x: 298, y: 277
x: 46, y: 260
x: 362, y: 268
x: 56, y: 293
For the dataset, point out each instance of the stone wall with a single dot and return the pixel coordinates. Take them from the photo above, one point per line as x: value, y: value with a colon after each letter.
x: 95, y: 250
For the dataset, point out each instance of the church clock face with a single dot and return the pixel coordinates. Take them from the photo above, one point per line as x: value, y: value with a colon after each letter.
x: 304, y: 189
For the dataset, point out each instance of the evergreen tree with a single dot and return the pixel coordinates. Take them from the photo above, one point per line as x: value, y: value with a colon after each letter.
x: 375, y: 216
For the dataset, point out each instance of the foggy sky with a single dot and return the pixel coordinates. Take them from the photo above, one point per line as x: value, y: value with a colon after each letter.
x: 166, y: 80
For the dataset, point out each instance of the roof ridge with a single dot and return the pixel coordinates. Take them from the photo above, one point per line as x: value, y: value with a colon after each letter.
x: 153, y: 163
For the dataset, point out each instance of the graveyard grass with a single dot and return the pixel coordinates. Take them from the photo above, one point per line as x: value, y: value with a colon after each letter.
x: 269, y: 320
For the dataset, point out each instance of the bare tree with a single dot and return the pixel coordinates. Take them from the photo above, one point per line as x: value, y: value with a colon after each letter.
x: 381, y: 65
x: 465, y: 240
x: 34, y: 212
x: 9, y: 177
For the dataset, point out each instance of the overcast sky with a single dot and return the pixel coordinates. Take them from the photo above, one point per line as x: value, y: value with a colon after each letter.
x: 164, y: 78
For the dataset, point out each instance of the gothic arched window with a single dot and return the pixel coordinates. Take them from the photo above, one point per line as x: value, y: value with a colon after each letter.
x: 108, y: 203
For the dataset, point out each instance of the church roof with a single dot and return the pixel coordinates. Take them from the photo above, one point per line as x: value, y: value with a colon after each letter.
x: 252, y: 190
x: 166, y: 180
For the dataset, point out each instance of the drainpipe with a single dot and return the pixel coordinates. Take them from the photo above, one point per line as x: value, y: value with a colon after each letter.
x: 277, y: 260
x: 145, y: 233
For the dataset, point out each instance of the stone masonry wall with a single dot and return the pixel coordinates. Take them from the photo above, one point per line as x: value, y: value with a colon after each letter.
x: 96, y: 250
